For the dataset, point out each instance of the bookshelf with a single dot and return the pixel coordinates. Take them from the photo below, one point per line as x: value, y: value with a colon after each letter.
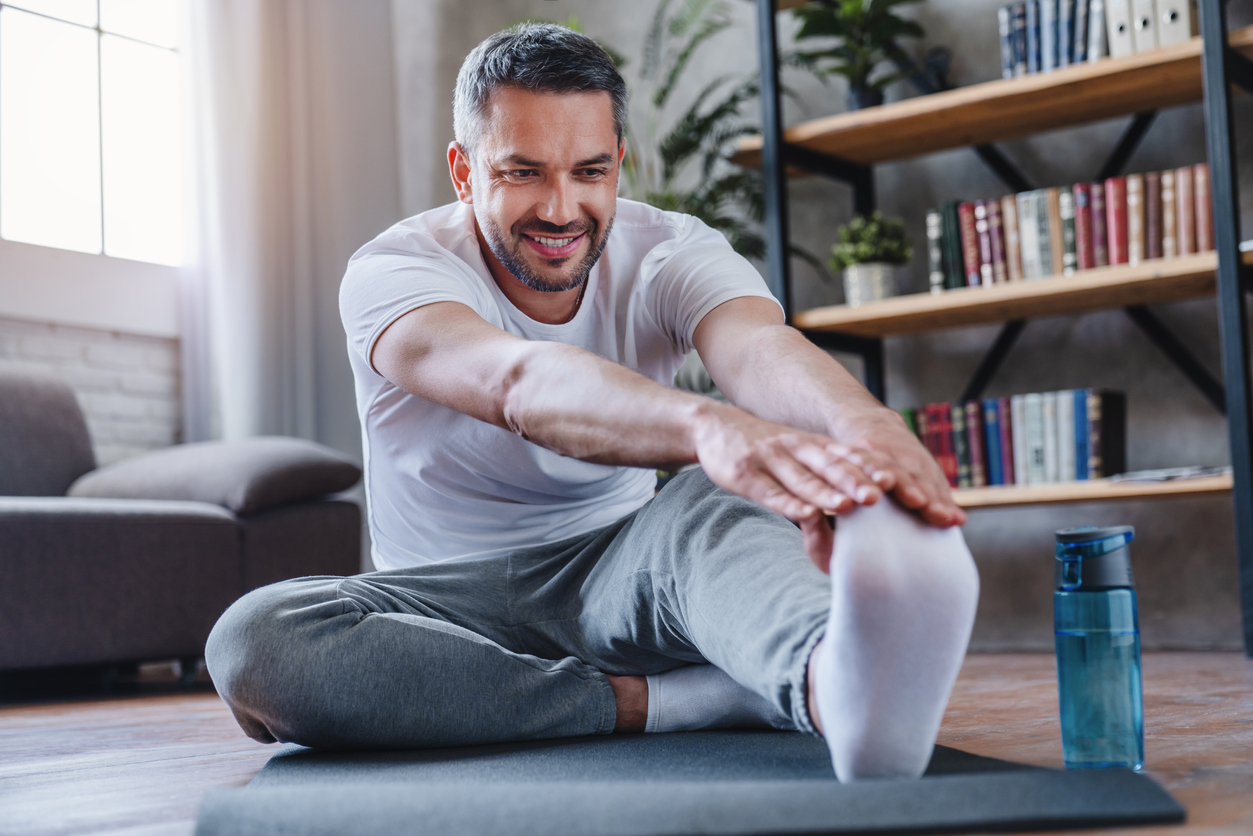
x: 1147, y: 283
x: 1097, y: 490
x: 1006, y: 108
x: 846, y: 146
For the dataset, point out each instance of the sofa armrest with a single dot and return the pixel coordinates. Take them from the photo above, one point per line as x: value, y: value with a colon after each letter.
x: 245, y: 476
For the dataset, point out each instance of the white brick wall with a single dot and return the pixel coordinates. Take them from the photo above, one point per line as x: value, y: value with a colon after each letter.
x: 127, y: 385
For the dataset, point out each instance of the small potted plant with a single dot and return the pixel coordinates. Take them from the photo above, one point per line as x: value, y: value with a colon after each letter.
x: 868, y: 252
x: 866, y: 31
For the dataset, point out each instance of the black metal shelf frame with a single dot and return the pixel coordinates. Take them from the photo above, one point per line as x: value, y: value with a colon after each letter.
x: 1221, y: 67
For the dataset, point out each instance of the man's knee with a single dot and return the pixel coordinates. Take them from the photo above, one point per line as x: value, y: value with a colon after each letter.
x: 257, y: 641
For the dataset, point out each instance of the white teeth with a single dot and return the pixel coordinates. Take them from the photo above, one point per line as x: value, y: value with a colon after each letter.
x: 552, y: 242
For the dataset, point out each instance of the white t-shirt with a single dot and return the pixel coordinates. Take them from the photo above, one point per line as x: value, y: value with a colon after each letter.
x: 441, y: 485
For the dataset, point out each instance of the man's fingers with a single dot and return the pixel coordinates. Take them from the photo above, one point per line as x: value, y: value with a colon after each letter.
x: 767, y: 491
x: 804, y: 482
x: 819, y: 539
x: 848, y: 478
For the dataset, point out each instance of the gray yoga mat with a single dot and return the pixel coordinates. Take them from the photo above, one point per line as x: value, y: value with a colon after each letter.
x: 735, y: 783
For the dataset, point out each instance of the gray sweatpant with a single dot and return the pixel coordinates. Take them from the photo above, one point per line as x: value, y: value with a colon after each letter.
x: 517, y: 647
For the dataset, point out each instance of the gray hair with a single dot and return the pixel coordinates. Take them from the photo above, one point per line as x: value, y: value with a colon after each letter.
x: 537, y: 57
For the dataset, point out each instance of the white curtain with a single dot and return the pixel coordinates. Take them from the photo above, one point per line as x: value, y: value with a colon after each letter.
x: 295, y: 167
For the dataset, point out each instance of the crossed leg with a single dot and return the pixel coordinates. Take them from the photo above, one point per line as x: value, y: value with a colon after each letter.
x: 522, y: 647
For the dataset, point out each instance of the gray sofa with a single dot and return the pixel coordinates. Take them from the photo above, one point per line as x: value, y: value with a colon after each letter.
x: 135, y: 561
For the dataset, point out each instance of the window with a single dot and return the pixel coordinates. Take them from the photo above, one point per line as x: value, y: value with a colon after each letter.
x: 91, y: 135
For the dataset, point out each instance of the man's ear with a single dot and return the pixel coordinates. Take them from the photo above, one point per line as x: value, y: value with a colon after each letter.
x: 459, y: 169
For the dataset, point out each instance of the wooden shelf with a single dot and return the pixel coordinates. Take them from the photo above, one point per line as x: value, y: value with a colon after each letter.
x: 1148, y: 283
x: 1098, y: 490
x: 1006, y: 109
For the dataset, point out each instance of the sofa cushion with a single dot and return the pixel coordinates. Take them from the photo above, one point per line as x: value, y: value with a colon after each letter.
x: 44, y: 444
x: 245, y: 476
x: 86, y: 581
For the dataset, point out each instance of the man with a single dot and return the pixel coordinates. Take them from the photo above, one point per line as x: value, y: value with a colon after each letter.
x: 512, y: 354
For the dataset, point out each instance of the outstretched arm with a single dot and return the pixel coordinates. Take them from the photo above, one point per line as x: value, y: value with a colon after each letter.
x: 772, y: 371
x: 580, y: 405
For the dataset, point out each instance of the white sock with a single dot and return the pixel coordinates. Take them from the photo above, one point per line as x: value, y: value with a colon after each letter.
x: 903, y: 598
x: 704, y: 697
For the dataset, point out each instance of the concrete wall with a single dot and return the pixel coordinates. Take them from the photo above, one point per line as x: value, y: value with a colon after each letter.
x: 1184, y: 554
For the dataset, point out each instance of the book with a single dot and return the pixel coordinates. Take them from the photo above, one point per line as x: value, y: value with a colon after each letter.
x: 1019, y: 25
x: 1049, y: 11
x: 1004, y: 418
x: 1048, y: 413
x: 1028, y: 236
x: 1084, y: 256
x: 942, y: 428
x: 1118, y: 28
x: 1033, y: 36
x: 1033, y: 441
x: 1144, y: 25
x: 975, y: 445
x: 1043, y: 233
x: 1054, y: 219
x: 935, y: 251
x: 983, y: 234
x: 1135, y: 218
x: 1153, y: 214
x: 992, y: 441
x: 1079, y: 397
x: 954, y: 273
x: 1100, y: 235
x: 1005, y: 27
x: 1107, y: 433
x: 1065, y: 31
x: 1176, y: 21
x: 961, y: 447
x: 1170, y: 229
x: 910, y: 416
x: 1204, y: 208
x: 969, y: 243
x: 1079, y: 43
x: 922, y: 430
x: 1116, y: 219
x: 1066, y: 436
x: 996, y: 237
x: 1066, y: 210
x: 1185, y: 211
x: 1009, y: 224
x: 1018, y: 425
x: 1098, y: 44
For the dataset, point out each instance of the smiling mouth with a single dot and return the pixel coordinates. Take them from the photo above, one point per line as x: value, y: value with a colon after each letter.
x: 550, y: 246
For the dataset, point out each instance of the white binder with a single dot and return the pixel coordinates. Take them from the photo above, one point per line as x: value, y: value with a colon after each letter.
x: 1144, y: 25
x: 1098, y: 45
x: 1176, y: 21
x: 1118, y: 26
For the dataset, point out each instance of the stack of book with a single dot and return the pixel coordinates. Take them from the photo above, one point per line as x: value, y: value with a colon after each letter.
x: 1046, y: 232
x: 1038, y: 36
x: 1067, y: 436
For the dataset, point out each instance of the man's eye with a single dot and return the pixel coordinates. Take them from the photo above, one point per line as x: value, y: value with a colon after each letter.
x: 593, y: 172
x: 523, y: 173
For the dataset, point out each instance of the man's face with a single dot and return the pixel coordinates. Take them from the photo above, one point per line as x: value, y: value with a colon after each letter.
x: 544, y: 181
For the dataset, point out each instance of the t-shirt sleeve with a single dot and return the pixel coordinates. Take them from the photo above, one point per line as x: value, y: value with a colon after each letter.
x: 385, y: 281
x: 693, y: 273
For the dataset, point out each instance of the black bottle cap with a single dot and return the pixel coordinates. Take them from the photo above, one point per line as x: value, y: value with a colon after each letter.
x: 1091, y: 558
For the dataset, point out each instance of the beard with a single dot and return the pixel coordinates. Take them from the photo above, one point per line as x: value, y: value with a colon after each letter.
x: 513, y: 260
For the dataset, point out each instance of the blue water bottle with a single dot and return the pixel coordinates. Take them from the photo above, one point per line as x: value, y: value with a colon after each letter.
x: 1097, y: 632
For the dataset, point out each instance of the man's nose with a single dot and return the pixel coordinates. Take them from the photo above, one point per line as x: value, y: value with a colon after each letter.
x: 560, y: 205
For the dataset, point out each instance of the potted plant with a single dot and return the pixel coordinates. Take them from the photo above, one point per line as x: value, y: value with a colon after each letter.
x: 868, y: 252
x: 866, y: 31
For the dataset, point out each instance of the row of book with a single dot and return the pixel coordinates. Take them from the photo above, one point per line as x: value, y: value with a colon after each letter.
x: 1035, y: 439
x: 1038, y: 36
x: 1044, y: 232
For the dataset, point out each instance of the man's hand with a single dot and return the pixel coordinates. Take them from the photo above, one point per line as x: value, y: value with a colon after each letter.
x: 882, y: 445
x: 796, y: 474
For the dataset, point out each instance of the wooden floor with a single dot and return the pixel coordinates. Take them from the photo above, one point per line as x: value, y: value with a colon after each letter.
x: 140, y: 765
